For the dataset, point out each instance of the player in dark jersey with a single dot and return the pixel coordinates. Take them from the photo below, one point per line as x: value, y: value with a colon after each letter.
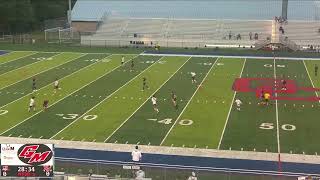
x: 45, y: 105
x: 34, y: 87
x: 132, y: 64
x: 316, y: 70
x: 284, y: 85
x: 144, y: 84
x: 174, y: 99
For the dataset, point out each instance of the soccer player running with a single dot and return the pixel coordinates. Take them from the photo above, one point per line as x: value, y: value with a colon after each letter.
x: 56, y: 85
x: 45, y: 105
x: 284, y: 84
x: 122, y: 60
x: 193, y: 77
x: 266, y: 98
x: 238, y: 103
x: 34, y: 87
x: 174, y: 99
x: 316, y: 70
x: 32, y: 104
x: 144, y: 84
x: 154, y: 103
x: 132, y: 65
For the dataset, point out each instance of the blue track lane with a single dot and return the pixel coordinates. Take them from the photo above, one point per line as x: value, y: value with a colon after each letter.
x: 187, y: 162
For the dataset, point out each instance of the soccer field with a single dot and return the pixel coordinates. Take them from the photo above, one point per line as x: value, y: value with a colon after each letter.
x: 101, y: 100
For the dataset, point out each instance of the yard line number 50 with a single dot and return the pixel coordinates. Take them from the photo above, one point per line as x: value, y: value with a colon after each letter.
x: 285, y: 127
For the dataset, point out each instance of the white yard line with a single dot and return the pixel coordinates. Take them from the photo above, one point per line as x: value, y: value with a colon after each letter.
x: 185, y: 107
x: 107, y: 97
x: 277, y: 113
x: 34, y: 52
x: 64, y: 98
x: 38, y: 72
x: 145, y: 101
x: 50, y: 84
x: 234, y: 96
x: 310, y: 77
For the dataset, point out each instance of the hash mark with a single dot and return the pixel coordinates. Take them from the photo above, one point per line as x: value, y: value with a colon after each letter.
x: 116, y: 142
x: 72, y: 139
x: 126, y: 142
x: 40, y: 137
x: 30, y: 136
x: 63, y: 137
x: 10, y: 135
x: 20, y: 135
x: 149, y: 144
x: 94, y: 140
x: 195, y: 146
x: 183, y: 145
x: 207, y: 147
x: 138, y: 143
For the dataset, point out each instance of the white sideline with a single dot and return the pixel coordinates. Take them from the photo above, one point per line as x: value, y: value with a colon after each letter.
x: 61, y: 79
x: 185, y: 107
x: 63, y: 98
x: 145, y: 101
x: 234, y: 95
x: 249, y: 155
x: 106, y: 98
x: 237, y: 57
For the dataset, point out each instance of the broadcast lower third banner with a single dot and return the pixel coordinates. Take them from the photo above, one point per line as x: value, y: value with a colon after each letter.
x: 27, y: 160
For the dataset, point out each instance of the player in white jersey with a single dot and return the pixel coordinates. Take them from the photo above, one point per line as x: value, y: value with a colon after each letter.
x: 193, y: 77
x: 122, y: 60
x: 32, y: 104
x: 238, y: 103
x: 56, y: 85
x: 154, y: 103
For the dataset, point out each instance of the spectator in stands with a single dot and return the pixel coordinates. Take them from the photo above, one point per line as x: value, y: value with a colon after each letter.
x: 230, y: 35
x: 136, y: 154
x: 140, y: 174
x: 256, y: 36
x: 319, y: 30
x: 193, y: 176
x: 239, y: 37
x: 250, y: 35
x: 281, y: 29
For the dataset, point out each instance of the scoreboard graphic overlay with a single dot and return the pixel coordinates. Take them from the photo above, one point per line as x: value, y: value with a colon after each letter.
x: 27, y: 160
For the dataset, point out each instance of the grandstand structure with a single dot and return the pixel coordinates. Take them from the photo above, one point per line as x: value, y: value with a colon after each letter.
x: 107, y: 26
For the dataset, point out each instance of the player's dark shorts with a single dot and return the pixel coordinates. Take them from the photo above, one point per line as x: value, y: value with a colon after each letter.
x: 56, y: 87
x: 193, y: 78
x: 266, y: 100
x: 174, y: 99
x: 34, y: 87
x: 45, y: 105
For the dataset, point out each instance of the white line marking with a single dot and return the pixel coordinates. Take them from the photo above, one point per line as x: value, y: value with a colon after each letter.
x: 145, y: 101
x: 185, y: 107
x: 35, y: 52
x: 234, y: 96
x: 64, y: 98
x: 106, y: 97
x: 277, y: 113
x: 40, y: 137
x: 32, y: 74
x: 310, y: 77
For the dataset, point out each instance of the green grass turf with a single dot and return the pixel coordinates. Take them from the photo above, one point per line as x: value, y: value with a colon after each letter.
x: 208, y: 109
x: 71, y: 107
x: 29, y: 60
x: 14, y: 76
x: 15, y: 55
x: 24, y: 87
x: 17, y: 111
x: 139, y: 129
x: 305, y: 138
x: 113, y: 111
x: 242, y: 130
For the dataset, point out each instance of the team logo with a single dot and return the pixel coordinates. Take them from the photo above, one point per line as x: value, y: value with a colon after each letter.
x: 35, y: 154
